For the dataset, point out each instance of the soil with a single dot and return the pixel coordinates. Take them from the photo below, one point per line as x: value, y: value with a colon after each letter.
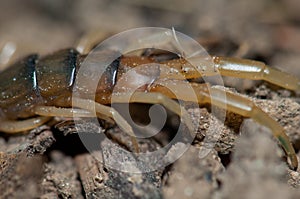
x: 245, y: 161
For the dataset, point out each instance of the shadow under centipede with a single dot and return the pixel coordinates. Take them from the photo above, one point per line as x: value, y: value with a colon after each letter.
x: 225, y: 159
x: 72, y: 144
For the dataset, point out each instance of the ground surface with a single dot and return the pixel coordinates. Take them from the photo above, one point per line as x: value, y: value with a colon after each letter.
x: 245, y: 161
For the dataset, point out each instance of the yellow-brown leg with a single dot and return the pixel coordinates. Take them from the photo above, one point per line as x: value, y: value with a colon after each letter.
x: 228, y: 66
x: 61, y: 112
x: 87, y: 108
x: 156, y: 98
x: 90, y: 40
x: 234, y: 103
x: 107, y: 112
x: 255, y: 70
x: 45, y: 112
x: 12, y: 126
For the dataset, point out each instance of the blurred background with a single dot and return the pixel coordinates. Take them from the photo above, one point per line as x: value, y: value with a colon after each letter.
x: 267, y: 30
